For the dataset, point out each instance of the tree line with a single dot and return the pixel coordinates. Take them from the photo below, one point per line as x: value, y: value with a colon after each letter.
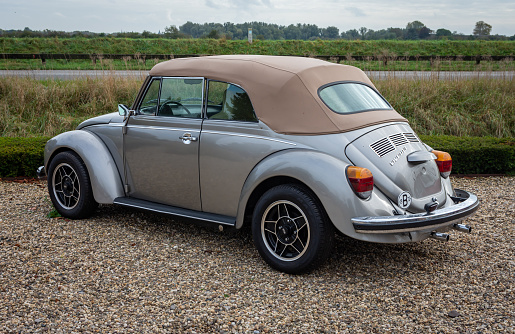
x: 415, y: 30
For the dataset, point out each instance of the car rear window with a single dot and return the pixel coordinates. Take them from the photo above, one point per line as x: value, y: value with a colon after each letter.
x: 350, y: 97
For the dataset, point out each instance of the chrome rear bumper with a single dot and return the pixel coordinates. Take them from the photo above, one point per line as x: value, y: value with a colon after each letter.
x: 466, y: 204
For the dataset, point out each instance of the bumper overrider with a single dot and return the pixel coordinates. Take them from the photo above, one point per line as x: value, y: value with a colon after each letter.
x: 41, y: 173
x: 465, y: 205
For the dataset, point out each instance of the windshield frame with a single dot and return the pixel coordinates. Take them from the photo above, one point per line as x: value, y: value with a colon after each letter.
x: 352, y: 82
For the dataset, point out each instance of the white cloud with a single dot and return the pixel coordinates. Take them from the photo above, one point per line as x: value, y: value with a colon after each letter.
x: 356, y: 11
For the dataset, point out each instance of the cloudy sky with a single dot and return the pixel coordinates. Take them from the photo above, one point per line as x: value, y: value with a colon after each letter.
x: 154, y: 15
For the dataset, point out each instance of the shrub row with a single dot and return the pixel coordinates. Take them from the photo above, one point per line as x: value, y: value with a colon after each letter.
x: 21, y: 156
x: 476, y: 155
x: 221, y: 46
x: 471, y: 155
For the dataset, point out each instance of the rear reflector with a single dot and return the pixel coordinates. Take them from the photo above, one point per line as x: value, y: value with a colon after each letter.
x: 444, y: 163
x: 361, y: 180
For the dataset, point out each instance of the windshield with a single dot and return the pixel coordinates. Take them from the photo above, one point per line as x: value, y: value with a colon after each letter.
x: 351, y: 97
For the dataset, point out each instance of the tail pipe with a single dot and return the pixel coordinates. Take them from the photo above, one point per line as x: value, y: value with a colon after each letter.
x: 439, y: 236
x: 462, y: 228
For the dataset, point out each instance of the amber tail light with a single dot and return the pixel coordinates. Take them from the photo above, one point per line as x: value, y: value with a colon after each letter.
x: 361, y: 180
x: 444, y: 163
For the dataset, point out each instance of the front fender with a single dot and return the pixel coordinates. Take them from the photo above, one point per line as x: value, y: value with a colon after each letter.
x: 325, y: 176
x: 106, y: 181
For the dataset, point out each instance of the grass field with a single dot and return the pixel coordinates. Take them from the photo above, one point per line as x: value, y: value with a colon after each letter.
x: 288, y: 47
x: 371, y: 65
x: 393, y: 50
x: 476, y: 107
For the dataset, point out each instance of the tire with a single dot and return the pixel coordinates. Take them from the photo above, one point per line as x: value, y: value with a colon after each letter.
x: 290, y: 230
x: 69, y: 186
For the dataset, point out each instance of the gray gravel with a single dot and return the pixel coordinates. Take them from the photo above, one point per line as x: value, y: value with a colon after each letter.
x: 129, y: 271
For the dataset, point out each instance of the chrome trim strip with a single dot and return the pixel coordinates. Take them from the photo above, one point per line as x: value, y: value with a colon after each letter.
x: 247, y: 136
x: 162, y: 128
x: 419, y: 221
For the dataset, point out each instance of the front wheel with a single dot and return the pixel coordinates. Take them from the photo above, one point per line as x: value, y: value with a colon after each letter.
x: 290, y: 229
x: 69, y: 186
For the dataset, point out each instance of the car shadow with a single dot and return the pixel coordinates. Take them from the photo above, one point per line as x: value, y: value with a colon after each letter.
x: 349, y: 257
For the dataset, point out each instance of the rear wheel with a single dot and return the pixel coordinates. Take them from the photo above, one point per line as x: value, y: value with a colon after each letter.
x: 69, y: 186
x: 290, y: 230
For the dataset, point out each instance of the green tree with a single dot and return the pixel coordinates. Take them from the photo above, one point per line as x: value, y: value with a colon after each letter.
x: 482, y: 29
x: 416, y: 30
x: 443, y: 33
x: 363, y: 32
x: 213, y: 34
x: 330, y: 32
x: 173, y: 33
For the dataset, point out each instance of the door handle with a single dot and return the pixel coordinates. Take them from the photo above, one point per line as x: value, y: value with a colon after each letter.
x: 187, y: 138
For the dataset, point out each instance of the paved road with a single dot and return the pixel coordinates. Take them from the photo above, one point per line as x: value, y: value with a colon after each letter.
x: 377, y: 75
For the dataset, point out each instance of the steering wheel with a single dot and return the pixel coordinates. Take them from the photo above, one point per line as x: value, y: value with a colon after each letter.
x: 176, y: 103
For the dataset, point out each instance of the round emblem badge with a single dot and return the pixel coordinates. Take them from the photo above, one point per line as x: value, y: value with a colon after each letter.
x: 404, y: 200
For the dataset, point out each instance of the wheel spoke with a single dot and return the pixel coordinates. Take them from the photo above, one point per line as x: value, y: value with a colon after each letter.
x: 302, y: 226
x: 270, y: 231
x: 293, y: 246
x: 286, y: 213
x: 278, y: 248
x: 298, y: 244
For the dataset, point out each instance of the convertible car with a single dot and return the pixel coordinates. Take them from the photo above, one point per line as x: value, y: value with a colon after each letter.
x: 296, y: 147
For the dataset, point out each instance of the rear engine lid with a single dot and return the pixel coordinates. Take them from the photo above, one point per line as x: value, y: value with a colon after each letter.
x: 402, y: 166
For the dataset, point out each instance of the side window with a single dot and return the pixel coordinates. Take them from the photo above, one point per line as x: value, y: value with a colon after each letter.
x: 181, y: 97
x: 149, y: 104
x: 230, y: 102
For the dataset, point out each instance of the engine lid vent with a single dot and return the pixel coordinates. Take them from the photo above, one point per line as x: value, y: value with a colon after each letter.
x: 387, y: 144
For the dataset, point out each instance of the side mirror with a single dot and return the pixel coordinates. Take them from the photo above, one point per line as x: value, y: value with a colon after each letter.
x: 123, y: 110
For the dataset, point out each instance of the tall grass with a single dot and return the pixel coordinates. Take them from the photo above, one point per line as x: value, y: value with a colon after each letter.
x: 465, y: 107
x: 460, y: 107
x: 30, y: 107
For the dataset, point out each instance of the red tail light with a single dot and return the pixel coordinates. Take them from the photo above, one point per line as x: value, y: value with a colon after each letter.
x: 361, y: 180
x: 444, y: 163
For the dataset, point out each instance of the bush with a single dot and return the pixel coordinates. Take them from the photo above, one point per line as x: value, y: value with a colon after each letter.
x: 21, y: 156
x: 476, y: 155
x: 470, y: 155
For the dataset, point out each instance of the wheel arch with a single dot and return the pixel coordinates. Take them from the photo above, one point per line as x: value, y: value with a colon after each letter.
x: 268, y: 184
x: 320, y: 174
x: 106, y: 181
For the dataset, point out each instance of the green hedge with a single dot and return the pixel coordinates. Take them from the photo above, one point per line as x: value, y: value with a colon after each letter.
x: 476, y: 155
x: 21, y: 156
x: 470, y: 155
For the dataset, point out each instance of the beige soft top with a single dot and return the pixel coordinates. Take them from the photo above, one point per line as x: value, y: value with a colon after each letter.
x: 283, y: 90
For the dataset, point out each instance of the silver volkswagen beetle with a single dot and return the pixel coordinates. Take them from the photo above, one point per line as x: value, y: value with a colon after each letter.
x: 298, y: 148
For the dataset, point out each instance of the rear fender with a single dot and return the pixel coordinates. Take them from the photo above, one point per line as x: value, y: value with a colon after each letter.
x: 105, y: 179
x: 325, y: 176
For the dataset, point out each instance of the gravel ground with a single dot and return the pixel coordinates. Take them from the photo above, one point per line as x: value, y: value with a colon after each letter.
x: 129, y: 271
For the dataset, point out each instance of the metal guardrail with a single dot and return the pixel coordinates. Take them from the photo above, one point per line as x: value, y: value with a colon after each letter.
x: 385, y: 59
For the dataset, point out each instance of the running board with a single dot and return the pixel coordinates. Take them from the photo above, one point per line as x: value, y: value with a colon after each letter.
x: 174, y: 211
